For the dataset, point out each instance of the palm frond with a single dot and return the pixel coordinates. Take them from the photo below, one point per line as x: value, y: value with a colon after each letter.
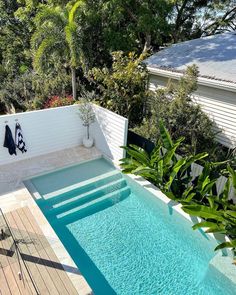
x: 70, y: 31
x: 50, y: 15
x: 74, y: 9
x: 46, y: 47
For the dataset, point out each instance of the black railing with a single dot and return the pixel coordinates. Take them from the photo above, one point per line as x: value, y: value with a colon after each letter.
x: 134, y: 138
x: 5, y: 234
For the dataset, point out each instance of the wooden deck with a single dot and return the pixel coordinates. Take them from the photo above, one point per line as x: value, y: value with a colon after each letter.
x: 47, y: 273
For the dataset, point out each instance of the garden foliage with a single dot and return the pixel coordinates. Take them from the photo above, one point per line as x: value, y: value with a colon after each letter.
x: 123, y: 88
x: 198, y: 195
x: 182, y: 117
x: 42, y: 33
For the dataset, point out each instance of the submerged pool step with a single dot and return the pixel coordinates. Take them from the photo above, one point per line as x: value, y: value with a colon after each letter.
x: 95, y: 205
x: 80, y: 188
x: 81, y: 199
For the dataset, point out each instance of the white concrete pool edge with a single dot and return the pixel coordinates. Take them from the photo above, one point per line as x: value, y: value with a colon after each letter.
x: 222, y: 261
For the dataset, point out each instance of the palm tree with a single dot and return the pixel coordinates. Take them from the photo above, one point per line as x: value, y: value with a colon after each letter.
x: 56, y: 39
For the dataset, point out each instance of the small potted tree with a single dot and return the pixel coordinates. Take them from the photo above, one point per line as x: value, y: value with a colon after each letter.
x: 87, y: 116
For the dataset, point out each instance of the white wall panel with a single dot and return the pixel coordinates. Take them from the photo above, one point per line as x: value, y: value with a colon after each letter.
x: 56, y: 129
x: 44, y: 131
x: 110, y: 132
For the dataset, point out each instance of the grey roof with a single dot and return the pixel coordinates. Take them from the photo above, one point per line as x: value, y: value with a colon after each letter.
x: 215, y: 57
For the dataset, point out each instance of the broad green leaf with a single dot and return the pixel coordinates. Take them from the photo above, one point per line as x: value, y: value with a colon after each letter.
x: 140, y: 150
x: 208, y: 188
x: 165, y: 135
x: 203, y: 211
x: 231, y: 244
x: 174, y: 172
x: 168, y: 157
x: 204, y: 224
x: 226, y: 190
x: 211, y: 200
x: 155, y: 156
x: 193, y: 159
x: 138, y: 156
x: 233, y: 176
x: 232, y: 213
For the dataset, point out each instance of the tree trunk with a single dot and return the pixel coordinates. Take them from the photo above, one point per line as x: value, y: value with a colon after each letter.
x: 147, y: 44
x: 87, y: 131
x: 73, y: 76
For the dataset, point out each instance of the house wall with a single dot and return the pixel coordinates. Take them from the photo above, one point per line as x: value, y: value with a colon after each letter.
x: 56, y: 129
x: 219, y: 104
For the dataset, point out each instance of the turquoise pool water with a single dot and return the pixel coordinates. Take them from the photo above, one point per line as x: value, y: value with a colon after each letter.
x: 124, y: 239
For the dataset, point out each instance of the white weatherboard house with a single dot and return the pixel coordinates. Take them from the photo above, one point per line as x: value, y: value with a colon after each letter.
x: 215, y: 57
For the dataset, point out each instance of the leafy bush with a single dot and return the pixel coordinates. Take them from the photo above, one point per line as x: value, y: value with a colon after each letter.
x: 182, y: 118
x: 123, y: 88
x: 30, y: 90
x: 57, y: 101
x: 199, y: 195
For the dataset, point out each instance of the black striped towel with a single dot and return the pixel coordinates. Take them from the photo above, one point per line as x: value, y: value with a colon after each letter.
x: 19, y: 140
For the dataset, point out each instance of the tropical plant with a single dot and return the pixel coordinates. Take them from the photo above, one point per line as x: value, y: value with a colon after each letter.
x: 163, y: 166
x: 56, y: 39
x: 216, y: 221
x: 198, y: 195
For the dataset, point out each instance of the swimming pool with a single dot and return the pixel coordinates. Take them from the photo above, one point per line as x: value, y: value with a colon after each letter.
x: 124, y: 239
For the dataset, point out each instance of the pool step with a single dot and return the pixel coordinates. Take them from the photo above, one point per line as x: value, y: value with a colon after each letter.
x: 80, y: 188
x: 80, y: 199
x: 95, y: 205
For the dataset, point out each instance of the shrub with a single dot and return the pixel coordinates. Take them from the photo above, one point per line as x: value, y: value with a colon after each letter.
x: 57, y: 101
x: 123, y: 88
x: 182, y: 118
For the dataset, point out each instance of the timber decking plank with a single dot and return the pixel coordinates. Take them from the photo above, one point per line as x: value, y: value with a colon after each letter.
x: 45, y: 267
x: 4, y: 287
x: 35, y: 269
x: 11, y: 280
x: 43, y: 254
x: 36, y: 257
x: 61, y: 272
x: 15, y: 268
x: 25, y: 285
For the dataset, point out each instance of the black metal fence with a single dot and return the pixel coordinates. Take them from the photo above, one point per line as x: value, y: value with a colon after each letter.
x: 140, y: 141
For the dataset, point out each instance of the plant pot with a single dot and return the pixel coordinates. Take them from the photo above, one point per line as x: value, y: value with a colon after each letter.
x: 88, y: 142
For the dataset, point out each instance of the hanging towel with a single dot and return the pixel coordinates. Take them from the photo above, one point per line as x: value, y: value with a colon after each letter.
x: 20, y: 144
x: 9, y: 141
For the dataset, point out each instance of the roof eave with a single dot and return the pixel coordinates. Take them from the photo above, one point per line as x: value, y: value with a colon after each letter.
x: 201, y: 80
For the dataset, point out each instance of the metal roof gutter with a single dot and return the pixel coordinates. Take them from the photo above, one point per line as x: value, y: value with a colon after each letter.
x: 201, y: 80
